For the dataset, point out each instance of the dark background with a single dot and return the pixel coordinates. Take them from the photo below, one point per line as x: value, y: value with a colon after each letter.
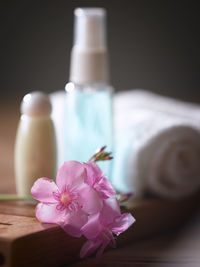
x: 153, y: 45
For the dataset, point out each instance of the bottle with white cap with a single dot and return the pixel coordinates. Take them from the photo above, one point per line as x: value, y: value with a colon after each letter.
x: 35, y: 149
x: 88, y: 112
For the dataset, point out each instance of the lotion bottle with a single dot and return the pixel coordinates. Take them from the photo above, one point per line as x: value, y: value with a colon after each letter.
x: 35, y: 149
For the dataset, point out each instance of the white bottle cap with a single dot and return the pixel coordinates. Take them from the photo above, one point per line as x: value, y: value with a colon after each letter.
x: 36, y: 104
x: 89, y: 28
x: 89, y: 52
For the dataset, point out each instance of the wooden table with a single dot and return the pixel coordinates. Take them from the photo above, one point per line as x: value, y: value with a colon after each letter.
x: 177, y: 247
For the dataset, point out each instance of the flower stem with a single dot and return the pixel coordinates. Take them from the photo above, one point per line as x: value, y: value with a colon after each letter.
x: 15, y: 197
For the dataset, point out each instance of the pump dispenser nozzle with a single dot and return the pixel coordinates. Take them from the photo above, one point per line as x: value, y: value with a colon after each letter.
x: 89, y: 28
x: 89, y: 52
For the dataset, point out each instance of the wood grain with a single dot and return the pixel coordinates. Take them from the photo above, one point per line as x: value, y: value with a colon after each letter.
x: 26, y: 242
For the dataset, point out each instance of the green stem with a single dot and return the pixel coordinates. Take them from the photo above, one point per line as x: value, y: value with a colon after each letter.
x: 15, y: 197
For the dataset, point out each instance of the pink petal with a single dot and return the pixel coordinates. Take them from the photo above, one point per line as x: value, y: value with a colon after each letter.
x: 94, y: 173
x: 122, y: 223
x: 89, y: 199
x: 105, y: 188
x: 89, y: 248
x: 112, y: 239
x: 48, y: 213
x: 110, y: 211
x: 102, y: 248
x: 71, y: 174
x: 73, y: 222
x: 43, y: 190
x: 96, y: 179
x: 93, y: 227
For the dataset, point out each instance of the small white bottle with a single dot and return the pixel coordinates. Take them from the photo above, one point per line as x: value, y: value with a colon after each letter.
x: 88, y: 109
x: 35, y: 148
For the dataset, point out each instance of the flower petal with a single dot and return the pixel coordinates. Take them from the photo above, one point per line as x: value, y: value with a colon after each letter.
x: 110, y: 211
x: 43, y: 190
x: 94, y: 173
x: 73, y: 222
x: 102, y: 248
x: 48, y: 213
x: 89, y: 199
x: 105, y: 188
x: 92, y: 228
x: 122, y: 223
x: 96, y: 179
x: 71, y: 174
x: 89, y: 248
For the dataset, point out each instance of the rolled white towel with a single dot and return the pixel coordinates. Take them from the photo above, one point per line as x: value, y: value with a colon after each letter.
x: 157, y: 145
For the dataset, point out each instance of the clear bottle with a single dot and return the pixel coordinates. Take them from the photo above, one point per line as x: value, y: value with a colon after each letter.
x: 88, y: 110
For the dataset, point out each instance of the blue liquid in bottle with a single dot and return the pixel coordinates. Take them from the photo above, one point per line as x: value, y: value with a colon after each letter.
x: 88, y: 108
x: 88, y: 122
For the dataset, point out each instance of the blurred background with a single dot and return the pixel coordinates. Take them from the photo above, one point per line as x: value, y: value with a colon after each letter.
x: 153, y: 45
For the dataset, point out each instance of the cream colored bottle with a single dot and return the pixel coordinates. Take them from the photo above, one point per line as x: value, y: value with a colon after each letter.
x: 35, y: 148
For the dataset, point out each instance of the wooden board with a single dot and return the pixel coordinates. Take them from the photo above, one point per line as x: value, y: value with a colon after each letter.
x: 26, y: 242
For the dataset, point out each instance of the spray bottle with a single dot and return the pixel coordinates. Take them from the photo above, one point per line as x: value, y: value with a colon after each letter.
x: 88, y: 110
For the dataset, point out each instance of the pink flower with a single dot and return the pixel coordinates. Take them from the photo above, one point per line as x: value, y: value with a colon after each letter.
x: 96, y: 179
x: 70, y: 201
x: 82, y: 201
x: 100, y: 227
